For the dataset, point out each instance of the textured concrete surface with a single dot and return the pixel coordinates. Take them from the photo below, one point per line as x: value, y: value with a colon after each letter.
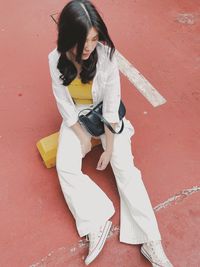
x: 161, y: 40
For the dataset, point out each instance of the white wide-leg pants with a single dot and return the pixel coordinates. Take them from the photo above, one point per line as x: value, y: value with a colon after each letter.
x: 89, y: 205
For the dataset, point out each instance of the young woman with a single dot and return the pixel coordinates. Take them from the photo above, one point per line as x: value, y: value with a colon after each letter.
x: 84, y: 72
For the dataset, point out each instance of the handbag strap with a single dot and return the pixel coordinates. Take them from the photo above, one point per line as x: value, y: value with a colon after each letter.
x: 105, y: 121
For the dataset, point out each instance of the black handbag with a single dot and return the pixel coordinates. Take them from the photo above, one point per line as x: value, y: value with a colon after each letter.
x: 93, y: 121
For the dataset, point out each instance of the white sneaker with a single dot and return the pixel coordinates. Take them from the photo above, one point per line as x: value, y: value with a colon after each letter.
x: 97, y: 240
x: 154, y: 252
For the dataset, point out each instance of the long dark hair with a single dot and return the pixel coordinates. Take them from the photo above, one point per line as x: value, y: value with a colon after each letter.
x: 75, y: 21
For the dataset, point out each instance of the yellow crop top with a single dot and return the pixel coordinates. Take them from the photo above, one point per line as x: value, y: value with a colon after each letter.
x: 80, y: 92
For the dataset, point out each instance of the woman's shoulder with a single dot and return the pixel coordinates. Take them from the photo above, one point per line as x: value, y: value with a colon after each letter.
x: 104, y: 59
x: 104, y: 55
x: 103, y: 50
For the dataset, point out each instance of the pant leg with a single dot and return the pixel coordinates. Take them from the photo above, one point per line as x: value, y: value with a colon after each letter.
x: 89, y: 205
x: 137, y: 219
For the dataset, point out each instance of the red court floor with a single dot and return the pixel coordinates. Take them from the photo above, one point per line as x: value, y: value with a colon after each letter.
x: 162, y: 40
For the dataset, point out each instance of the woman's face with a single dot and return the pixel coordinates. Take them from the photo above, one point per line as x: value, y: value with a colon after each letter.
x: 90, y: 44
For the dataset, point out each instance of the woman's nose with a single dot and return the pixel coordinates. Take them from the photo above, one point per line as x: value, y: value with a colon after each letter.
x: 88, y: 46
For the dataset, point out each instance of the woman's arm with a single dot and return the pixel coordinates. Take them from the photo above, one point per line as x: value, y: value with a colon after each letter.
x: 63, y: 99
x: 111, y: 102
x: 109, y: 138
x: 65, y: 104
x: 106, y: 155
x: 112, y: 91
x: 85, y: 140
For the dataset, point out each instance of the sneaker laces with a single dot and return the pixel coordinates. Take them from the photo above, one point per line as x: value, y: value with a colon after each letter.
x: 94, y: 237
x: 158, y: 252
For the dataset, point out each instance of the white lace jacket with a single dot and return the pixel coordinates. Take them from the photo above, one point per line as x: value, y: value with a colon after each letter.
x: 106, y: 87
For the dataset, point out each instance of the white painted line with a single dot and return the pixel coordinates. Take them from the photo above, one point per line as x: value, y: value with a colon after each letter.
x: 177, y: 198
x: 139, y: 81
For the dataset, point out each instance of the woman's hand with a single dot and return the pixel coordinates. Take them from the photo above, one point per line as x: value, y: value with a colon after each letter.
x: 106, y: 155
x: 104, y: 160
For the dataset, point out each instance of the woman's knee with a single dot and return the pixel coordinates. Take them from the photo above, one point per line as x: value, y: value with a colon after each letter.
x: 68, y: 165
x: 69, y: 155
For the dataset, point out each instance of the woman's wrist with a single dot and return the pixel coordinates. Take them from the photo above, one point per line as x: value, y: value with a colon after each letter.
x: 109, y: 150
x: 109, y: 139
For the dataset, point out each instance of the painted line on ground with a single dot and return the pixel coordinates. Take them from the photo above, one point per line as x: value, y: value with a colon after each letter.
x: 64, y: 254
x: 139, y: 81
x: 177, y: 198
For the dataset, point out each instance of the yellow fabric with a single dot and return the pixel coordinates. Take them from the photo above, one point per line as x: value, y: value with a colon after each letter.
x: 80, y: 92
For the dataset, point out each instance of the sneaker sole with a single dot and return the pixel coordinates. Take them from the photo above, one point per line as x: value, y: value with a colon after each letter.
x: 100, y: 244
x: 146, y: 255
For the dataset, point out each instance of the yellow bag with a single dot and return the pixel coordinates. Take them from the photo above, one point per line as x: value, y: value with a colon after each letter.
x: 47, y: 147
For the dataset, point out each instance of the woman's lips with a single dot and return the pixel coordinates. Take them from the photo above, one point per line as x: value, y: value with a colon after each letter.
x: 86, y: 54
